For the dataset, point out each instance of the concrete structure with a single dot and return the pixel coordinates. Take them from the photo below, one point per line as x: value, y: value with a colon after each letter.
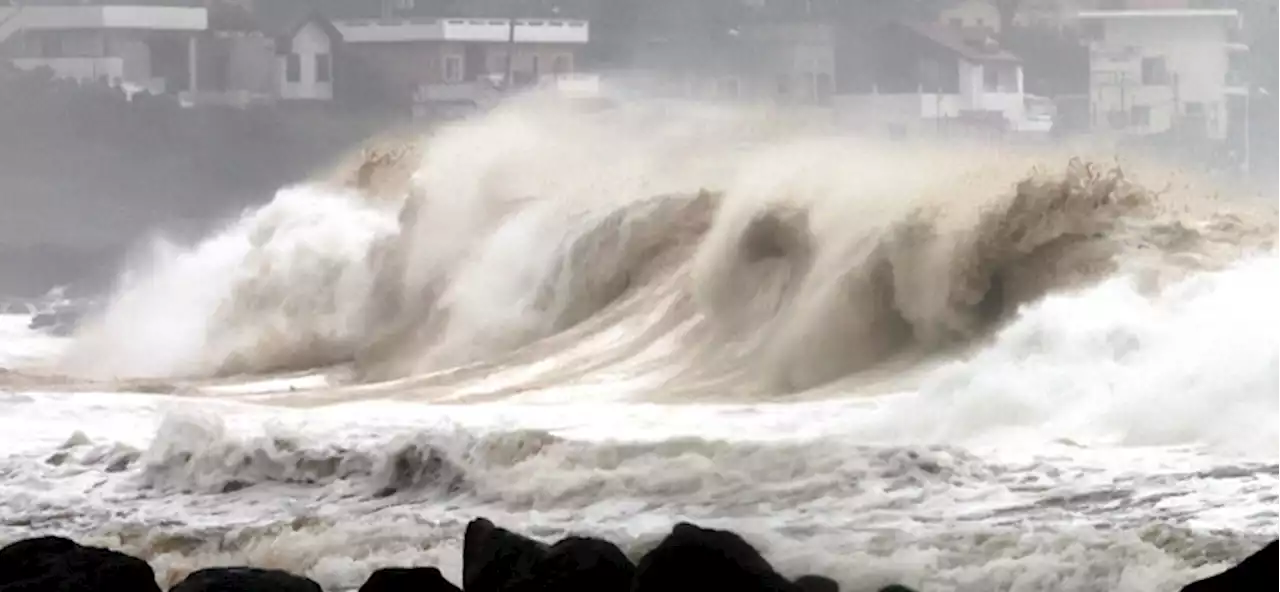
x: 1160, y: 70
x: 151, y: 47
x: 929, y: 75
x: 461, y: 62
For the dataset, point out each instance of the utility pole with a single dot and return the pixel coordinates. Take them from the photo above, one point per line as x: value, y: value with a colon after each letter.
x: 1248, y: 128
x: 1248, y: 98
x: 509, y: 76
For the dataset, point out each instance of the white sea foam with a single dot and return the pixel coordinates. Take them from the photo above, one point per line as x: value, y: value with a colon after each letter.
x: 1194, y: 364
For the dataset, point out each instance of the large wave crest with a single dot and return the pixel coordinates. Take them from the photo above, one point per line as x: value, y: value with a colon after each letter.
x: 720, y: 248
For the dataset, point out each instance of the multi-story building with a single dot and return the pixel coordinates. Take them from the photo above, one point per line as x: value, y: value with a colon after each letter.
x: 1165, y: 69
x: 461, y: 62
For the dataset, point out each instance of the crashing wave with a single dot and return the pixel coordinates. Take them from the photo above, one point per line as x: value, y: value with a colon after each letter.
x: 737, y: 253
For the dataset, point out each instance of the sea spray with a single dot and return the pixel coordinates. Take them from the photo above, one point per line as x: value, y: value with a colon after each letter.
x: 777, y: 261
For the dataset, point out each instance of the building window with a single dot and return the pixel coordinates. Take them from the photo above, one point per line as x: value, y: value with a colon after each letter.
x: 293, y: 68
x: 1194, y: 109
x: 990, y: 78
x: 1140, y: 116
x: 453, y: 68
x: 324, y: 68
x: 562, y: 64
x: 1154, y: 72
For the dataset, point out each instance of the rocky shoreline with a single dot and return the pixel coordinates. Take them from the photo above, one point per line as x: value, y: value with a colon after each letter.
x: 690, y: 558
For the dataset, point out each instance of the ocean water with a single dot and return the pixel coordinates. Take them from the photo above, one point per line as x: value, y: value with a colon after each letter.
x: 955, y: 367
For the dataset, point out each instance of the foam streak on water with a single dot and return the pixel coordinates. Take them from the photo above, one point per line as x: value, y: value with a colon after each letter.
x: 961, y: 370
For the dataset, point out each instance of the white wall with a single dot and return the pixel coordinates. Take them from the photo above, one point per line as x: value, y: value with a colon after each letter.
x: 165, y: 18
x: 1195, y: 51
x: 61, y: 18
x: 1012, y: 105
x: 309, y: 42
x: 907, y: 108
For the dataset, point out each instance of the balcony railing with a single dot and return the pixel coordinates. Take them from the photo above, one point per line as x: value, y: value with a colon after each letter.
x: 481, y: 30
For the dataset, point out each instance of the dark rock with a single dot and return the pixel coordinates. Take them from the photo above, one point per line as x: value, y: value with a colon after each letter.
x: 579, y: 564
x: 244, y: 579
x: 817, y: 584
x: 694, y: 559
x: 235, y: 485
x: 56, y: 564
x: 408, y: 579
x: 1256, y: 572
x: 121, y: 463
x: 495, y: 558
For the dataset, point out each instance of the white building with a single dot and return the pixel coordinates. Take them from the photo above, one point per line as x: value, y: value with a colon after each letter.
x: 262, y: 58
x: 933, y: 76
x: 305, y: 51
x: 460, y: 63
x: 1155, y: 70
x: 152, y: 47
